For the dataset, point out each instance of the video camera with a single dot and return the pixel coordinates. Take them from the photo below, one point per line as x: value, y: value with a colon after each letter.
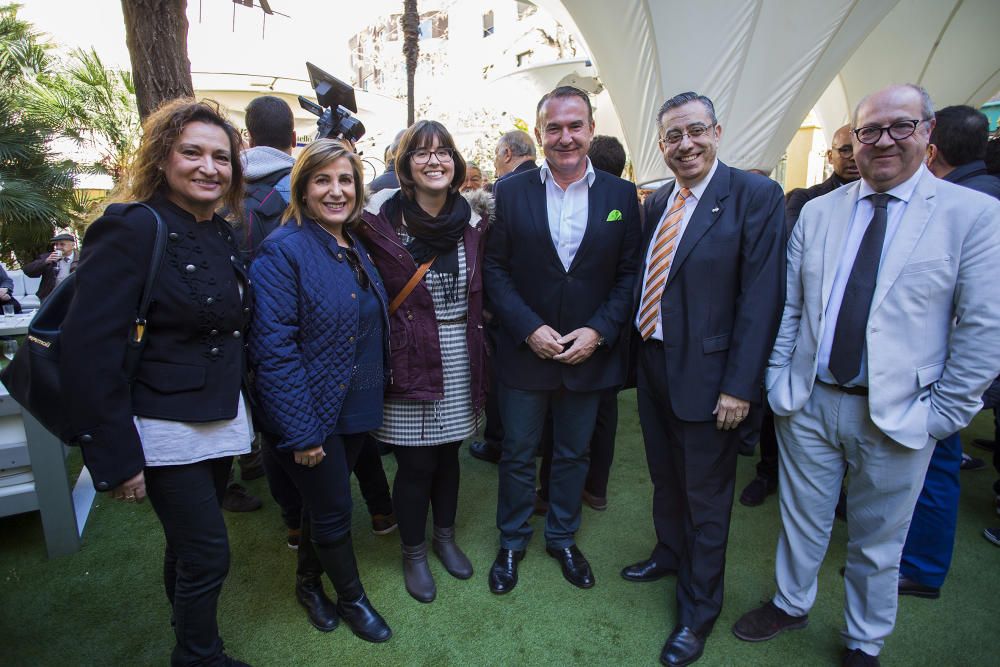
x: 336, y: 102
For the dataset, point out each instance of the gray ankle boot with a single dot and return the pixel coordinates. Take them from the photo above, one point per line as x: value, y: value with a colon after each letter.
x: 453, y: 559
x: 416, y: 574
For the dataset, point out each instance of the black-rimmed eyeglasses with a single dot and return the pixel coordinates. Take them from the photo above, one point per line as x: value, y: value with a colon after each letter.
x: 845, y: 151
x: 423, y: 156
x: 694, y: 132
x: 901, y: 129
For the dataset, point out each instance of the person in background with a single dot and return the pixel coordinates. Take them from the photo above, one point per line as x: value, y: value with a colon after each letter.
x: 955, y: 154
x: 7, y: 291
x: 53, y: 267
x: 845, y: 170
x: 437, y: 347
x: 388, y: 179
x: 515, y: 153
x: 840, y: 156
x: 171, y: 434
x: 317, y: 349
x: 473, y: 178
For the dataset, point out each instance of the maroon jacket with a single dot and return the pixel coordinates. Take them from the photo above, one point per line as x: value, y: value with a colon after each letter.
x: 414, y: 346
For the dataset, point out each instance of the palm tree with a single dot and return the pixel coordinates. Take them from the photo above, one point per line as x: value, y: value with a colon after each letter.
x: 36, y: 187
x: 96, y: 107
x: 411, y: 50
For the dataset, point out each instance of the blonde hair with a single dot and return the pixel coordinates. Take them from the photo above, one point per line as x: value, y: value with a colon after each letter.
x: 160, y: 131
x: 315, y: 156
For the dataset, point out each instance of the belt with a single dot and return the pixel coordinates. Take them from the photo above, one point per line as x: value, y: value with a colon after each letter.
x: 852, y: 391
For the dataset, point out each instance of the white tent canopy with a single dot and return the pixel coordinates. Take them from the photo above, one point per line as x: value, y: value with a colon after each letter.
x: 767, y: 63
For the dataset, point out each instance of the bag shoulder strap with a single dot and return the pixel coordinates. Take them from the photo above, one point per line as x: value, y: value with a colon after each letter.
x: 408, y: 287
x: 159, y: 249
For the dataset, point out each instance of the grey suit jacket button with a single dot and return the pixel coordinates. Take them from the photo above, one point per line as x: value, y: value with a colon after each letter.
x: 102, y: 486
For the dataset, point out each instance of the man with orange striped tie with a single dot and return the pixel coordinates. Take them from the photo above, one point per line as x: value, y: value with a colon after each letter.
x: 708, y: 306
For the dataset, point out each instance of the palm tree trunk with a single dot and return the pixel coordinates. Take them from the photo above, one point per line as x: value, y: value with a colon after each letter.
x: 411, y: 50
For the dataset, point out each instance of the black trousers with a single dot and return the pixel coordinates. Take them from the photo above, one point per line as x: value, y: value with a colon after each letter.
x: 425, y: 477
x: 325, y: 489
x: 188, y: 501
x: 767, y: 467
x: 493, y: 430
x: 693, y: 469
x: 602, y: 449
x: 368, y: 470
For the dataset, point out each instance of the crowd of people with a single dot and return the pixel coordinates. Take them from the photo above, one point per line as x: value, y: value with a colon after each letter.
x: 326, y: 322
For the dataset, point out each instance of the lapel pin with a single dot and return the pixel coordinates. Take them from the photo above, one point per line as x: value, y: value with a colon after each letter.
x: 715, y: 210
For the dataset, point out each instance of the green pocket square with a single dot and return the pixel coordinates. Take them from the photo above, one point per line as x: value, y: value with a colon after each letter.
x: 614, y: 216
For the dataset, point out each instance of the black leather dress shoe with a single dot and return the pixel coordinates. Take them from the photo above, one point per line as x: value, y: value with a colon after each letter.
x: 485, y: 451
x: 646, y: 570
x: 503, y: 572
x: 575, y: 568
x: 910, y: 587
x: 682, y: 648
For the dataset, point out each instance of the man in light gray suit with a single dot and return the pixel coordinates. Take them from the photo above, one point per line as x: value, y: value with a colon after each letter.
x: 889, y: 336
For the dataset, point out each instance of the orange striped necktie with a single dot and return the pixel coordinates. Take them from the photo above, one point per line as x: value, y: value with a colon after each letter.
x: 662, y: 255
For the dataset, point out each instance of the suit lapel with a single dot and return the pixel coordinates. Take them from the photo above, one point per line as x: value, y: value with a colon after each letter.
x: 911, y: 228
x: 836, y: 230
x: 595, y: 207
x: 540, y: 216
x: 706, y: 212
x: 657, y: 204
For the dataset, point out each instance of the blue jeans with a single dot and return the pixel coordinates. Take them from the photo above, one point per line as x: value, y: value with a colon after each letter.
x: 523, y: 412
x: 931, y: 538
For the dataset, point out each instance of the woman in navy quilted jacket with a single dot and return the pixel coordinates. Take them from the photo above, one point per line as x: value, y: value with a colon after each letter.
x: 317, y: 345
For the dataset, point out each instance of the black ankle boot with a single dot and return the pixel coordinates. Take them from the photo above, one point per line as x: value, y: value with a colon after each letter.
x: 309, y: 592
x: 352, y: 604
x: 319, y: 608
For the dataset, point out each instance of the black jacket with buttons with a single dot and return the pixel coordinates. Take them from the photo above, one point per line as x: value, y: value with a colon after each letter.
x: 191, y: 369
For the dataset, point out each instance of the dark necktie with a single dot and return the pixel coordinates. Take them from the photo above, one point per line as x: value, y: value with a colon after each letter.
x: 849, y: 336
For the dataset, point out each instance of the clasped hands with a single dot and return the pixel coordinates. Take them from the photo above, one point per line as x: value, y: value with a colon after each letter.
x: 547, y: 343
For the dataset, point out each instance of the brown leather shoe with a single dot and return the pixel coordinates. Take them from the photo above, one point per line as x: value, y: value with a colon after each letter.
x: 767, y: 622
x: 383, y: 524
x: 598, y: 503
x: 416, y: 574
x: 453, y: 559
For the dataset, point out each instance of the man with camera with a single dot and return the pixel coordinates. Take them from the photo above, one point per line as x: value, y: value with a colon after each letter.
x: 54, y: 267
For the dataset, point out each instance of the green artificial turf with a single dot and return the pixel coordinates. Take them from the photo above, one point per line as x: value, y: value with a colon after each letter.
x: 105, y: 604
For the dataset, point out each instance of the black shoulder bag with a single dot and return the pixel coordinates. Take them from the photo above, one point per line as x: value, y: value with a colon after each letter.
x: 32, y: 377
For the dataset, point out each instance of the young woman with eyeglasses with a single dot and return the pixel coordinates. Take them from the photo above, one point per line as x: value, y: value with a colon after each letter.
x: 317, y: 343
x: 427, y: 243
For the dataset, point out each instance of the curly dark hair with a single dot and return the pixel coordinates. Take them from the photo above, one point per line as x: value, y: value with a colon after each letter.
x: 160, y: 130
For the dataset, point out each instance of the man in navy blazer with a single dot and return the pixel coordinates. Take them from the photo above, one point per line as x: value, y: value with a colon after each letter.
x: 560, y: 268
x: 708, y: 302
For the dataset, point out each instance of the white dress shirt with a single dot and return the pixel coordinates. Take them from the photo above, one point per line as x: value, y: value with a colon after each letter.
x: 863, y: 212
x: 567, y: 211
x: 697, y: 191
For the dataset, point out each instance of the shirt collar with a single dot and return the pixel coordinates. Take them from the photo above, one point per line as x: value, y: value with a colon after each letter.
x: 698, y: 189
x: 545, y: 173
x: 902, y: 191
